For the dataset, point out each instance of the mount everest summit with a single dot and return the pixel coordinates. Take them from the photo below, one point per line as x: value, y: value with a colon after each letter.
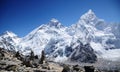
x: 90, y: 38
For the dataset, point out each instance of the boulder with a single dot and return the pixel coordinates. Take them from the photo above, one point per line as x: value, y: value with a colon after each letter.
x: 89, y: 68
x: 76, y: 67
x: 66, y: 68
x: 11, y: 68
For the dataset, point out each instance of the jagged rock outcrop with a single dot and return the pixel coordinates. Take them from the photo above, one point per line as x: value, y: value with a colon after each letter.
x: 42, y: 59
x: 83, y: 53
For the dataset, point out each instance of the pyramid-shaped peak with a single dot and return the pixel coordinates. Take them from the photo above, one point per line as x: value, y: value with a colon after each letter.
x: 89, y: 16
x: 90, y: 11
x: 54, y: 20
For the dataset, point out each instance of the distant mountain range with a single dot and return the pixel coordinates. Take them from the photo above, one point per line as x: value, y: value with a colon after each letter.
x: 90, y: 38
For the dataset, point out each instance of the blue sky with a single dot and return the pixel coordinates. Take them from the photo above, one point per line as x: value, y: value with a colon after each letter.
x: 22, y: 16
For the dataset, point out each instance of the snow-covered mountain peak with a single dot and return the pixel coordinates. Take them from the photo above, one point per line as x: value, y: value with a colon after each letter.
x: 9, y: 40
x: 52, y: 25
x: 55, y: 23
x: 9, y: 33
x: 90, y: 11
x: 89, y: 17
x: 53, y: 20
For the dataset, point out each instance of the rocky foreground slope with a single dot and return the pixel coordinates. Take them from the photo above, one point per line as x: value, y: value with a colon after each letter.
x: 16, y: 62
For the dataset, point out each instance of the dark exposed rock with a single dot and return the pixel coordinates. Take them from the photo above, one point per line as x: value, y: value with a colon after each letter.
x: 11, y: 68
x: 37, y: 71
x: 2, y: 55
x: 19, y: 56
x: 42, y: 57
x: 83, y: 53
x: 76, y: 68
x: 36, y: 57
x: 89, y: 68
x: 32, y: 55
x: 66, y: 68
x: 45, y: 66
x: 28, y: 63
x: 31, y: 61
